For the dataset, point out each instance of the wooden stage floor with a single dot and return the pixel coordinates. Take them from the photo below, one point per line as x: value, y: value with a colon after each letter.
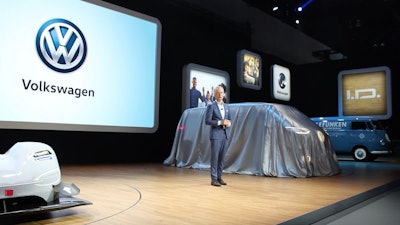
x: 159, y: 194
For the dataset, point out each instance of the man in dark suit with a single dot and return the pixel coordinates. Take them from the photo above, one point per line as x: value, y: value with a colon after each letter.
x: 195, y: 94
x: 218, y: 116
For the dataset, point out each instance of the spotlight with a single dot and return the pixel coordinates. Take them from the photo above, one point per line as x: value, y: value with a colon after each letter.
x: 304, y: 5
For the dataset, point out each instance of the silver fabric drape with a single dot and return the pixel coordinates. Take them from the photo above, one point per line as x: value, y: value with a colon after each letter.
x: 266, y: 139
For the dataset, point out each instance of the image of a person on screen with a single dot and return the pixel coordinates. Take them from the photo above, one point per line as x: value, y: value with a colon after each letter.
x: 195, y: 95
x: 218, y: 117
x: 248, y: 73
x: 256, y: 71
x: 208, y: 97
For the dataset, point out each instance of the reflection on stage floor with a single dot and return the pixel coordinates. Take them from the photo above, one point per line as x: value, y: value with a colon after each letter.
x: 160, y: 194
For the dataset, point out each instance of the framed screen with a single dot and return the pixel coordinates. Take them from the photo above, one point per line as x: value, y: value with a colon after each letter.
x: 80, y: 66
x: 280, y: 82
x: 198, y: 84
x: 249, y: 73
x: 365, y: 92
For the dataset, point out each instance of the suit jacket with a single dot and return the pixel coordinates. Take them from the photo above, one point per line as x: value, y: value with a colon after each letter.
x: 213, y: 115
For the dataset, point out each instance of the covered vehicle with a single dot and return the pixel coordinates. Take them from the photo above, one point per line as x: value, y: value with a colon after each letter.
x: 30, y: 181
x: 266, y: 139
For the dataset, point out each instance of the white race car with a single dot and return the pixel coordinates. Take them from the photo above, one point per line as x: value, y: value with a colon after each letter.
x: 30, y: 181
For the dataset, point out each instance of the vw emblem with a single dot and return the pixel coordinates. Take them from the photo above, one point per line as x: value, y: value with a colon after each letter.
x: 282, y: 80
x: 61, y: 45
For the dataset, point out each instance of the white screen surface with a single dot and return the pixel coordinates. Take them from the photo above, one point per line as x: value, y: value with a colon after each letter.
x: 281, y: 86
x: 101, y: 72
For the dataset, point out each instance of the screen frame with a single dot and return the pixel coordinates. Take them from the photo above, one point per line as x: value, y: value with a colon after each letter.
x: 153, y: 126
x: 190, y: 70
x: 275, y: 86
x: 240, y: 62
x: 361, y: 72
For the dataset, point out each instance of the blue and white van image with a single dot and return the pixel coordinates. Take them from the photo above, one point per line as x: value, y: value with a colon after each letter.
x: 362, y: 137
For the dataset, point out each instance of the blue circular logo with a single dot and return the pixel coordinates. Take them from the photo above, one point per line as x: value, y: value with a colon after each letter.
x: 282, y: 80
x: 61, y: 45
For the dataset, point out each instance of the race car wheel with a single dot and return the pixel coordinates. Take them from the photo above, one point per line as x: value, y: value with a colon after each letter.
x: 361, y: 154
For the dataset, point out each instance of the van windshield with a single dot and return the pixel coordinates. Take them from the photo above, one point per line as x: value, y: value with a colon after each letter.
x: 367, y: 125
x: 361, y: 126
x: 378, y: 125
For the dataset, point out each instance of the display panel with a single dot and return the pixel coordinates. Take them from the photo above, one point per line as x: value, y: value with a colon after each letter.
x: 280, y: 82
x: 198, y: 84
x: 79, y: 66
x: 249, y: 71
x: 365, y: 92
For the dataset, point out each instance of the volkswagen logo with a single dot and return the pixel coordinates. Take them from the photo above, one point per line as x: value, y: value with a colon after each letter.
x: 282, y: 80
x: 61, y: 45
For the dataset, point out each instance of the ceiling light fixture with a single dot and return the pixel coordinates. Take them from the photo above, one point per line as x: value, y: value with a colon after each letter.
x: 304, y: 5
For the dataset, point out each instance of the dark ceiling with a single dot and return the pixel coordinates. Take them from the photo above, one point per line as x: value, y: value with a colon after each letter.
x: 356, y: 28
x: 361, y: 30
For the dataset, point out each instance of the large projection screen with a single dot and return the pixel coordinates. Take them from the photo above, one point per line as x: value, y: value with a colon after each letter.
x: 78, y: 66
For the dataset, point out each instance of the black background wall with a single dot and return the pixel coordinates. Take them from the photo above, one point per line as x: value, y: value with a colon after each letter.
x: 192, y: 37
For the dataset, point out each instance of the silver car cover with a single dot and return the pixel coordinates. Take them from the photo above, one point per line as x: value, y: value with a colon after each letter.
x: 266, y: 139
